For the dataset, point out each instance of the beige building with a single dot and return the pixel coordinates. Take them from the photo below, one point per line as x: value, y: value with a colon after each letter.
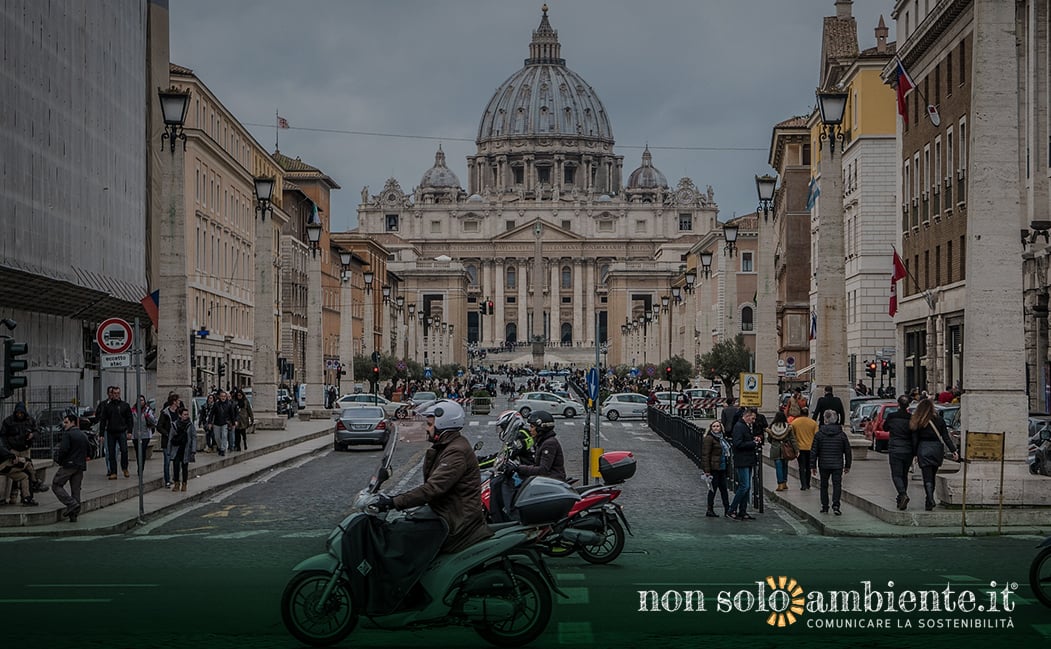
x: 546, y: 230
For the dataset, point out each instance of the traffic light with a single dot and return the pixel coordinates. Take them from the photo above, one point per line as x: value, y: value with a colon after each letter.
x: 481, y: 308
x: 489, y: 307
x: 667, y: 372
x: 13, y: 367
x: 222, y: 368
x: 884, y: 366
x: 376, y: 372
x: 870, y: 368
x: 890, y: 369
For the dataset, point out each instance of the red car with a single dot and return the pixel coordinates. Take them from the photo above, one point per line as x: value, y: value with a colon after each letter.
x: 874, y: 427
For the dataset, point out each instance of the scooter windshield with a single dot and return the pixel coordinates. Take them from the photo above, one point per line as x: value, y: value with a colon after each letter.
x: 383, y: 472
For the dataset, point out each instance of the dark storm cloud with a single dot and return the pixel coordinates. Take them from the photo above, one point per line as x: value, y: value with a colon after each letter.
x: 671, y: 73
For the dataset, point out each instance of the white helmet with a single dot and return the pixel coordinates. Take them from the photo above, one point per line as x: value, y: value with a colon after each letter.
x: 447, y: 415
x: 508, y: 423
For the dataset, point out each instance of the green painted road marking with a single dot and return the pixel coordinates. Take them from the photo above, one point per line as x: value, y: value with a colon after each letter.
x: 575, y: 595
x: 575, y: 633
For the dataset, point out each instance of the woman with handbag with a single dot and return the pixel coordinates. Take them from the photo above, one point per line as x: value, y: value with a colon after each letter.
x: 142, y: 429
x: 783, y: 448
x: 182, y: 448
x: 245, y: 420
x: 932, y: 440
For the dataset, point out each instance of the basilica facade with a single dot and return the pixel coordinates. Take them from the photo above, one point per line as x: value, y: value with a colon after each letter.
x: 547, y: 244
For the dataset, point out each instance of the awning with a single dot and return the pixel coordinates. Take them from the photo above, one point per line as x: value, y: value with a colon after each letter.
x: 805, y: 369
x: 81, y: 295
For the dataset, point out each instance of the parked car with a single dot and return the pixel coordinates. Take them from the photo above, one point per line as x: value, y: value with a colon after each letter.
x: 624, y: 404
x: 421, y: 397
x: 861, y: 414
x: 362, y: 424
x: 874, y: 426
x: 552, y: 403
x: 369, y: 399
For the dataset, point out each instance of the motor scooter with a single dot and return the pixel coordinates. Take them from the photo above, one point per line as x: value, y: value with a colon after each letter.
x: 1040, y: 573
x: 1040, y: 452
x: 387, y: 569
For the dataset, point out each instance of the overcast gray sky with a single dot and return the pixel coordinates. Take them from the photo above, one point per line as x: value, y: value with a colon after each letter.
x: 671, y: 73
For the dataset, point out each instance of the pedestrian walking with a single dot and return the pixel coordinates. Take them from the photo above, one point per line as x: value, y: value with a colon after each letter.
x: 901, y: 449
x: 780, y: 434
x: 829, y: 402
x: 745, y: 441
x: 832, y: 455
x: 223, y: 421
x: 182, y: 449
x: 72, y: 459
x: 165, y: 421
x: 715, y: 458
x: 931, y: 435
x: 804, y: 429
x: 144, y: 422
x: 245, y: 421
x: 116, y: 423
x: 204, y: 423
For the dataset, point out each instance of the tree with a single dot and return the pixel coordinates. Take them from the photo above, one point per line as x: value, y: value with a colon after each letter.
x: 726, y: 361
x: 681, y: 371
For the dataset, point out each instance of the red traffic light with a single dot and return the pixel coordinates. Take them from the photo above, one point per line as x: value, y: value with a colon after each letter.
x: 375, y: 370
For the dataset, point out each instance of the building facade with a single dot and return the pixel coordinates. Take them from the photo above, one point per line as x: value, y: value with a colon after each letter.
x: 546, y: 228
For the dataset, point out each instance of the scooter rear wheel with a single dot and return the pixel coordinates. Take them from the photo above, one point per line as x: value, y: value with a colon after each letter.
x: 532, y: 611
x: 299, y: 609
x: 1040, y: 577
x: 609, y: 548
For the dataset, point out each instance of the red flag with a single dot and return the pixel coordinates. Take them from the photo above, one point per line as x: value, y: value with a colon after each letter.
x: 282, y: 122
x: 150, y: 303
x: 905, y: 85
x: 899, y: 273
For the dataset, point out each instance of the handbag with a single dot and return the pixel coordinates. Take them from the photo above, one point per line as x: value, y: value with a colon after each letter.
x: 788, y: 452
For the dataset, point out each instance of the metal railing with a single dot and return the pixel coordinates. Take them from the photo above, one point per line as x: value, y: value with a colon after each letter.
x: 47, y: 405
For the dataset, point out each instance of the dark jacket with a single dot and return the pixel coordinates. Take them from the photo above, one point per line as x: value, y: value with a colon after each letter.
x: 901, y: 439
x: 728, y: 417
x: 72, y: 450
x: 453, y: 488
x: 930, y: 440
x: 744, y: 445
x: 712, y: 454
x: 831, y: 448
x: 828, y: 402
x: 224, y: 413
x: 17, y: 431
x: 115, y: 417
x: 245, y: 417
x: 550, y: 462
x: 165, y: 419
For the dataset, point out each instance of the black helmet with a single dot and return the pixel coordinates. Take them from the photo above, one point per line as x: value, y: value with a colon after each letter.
x: 542, y: 420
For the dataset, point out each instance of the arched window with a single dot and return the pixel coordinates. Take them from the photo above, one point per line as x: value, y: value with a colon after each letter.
x: 746, y: 319
x: 603, y: 273
x: 567, y: 333
x: 567, y: 277
x: 512, y: 277
x: 472, y: 275
x: 511, y: 333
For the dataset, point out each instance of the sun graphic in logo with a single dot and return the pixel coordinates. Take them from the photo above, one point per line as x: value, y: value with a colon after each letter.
x: 785, y: 600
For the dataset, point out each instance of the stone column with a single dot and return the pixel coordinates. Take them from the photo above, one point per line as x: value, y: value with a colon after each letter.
x: 554, y: 331
x: 315, y: 378
x: 368, y: 337
x: 499, y: 318
x: 766, y: 314
x: 590, y: 308
x: 578, y: 301
x: 173, y: 330
x: 994, y: 397
x: 264, y: 353
x: 831, y: 344
x: 346, y: 330
x: 522, y: 273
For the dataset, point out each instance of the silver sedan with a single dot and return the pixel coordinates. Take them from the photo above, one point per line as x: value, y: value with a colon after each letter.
x: 548, y: 402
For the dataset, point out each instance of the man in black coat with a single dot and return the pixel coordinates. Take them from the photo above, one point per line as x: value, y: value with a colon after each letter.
x: 744, y: 442
x: 832, y: 452
x: 115, y: 422
x: 17, y: 432
x: 72, y: 459
x: 901, y: 449
x: 829, y: 402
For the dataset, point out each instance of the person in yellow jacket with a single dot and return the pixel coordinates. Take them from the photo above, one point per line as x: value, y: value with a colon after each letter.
x: 804, y: 429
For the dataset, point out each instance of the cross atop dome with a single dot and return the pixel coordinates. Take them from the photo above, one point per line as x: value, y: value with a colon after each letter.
x: 545, y: 48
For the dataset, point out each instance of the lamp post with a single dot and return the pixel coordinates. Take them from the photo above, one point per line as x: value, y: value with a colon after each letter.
x: 314, y: 354
x: 368, y: 334
x: 730, y: 235
x: 765, y: 295
x: 346, y: 317
x: 706, y: 263
x: 264, y: 349
x: 173, y: 346
x: 830, y: 355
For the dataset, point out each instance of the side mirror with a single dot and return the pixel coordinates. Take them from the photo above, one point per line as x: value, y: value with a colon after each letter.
x: 478, y: 445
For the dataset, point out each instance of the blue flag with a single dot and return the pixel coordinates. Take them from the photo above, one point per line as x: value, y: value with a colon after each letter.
x: 815, y: 191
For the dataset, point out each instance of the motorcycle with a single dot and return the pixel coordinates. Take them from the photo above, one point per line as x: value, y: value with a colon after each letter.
x: 1040, y: 452
x: 595, y: 525
x: 500, y: 586
x: 1040, y: 573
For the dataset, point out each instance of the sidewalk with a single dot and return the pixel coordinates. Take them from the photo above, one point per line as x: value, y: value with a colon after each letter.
x: 112, y: 506
x: 869, y: 509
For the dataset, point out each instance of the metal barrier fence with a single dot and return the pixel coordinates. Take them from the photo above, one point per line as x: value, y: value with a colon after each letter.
x: 47, y: 405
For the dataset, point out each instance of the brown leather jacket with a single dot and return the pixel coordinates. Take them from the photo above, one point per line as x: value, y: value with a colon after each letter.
x: 453, y: 488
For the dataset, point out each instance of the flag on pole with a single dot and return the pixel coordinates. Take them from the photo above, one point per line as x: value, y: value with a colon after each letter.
x: 150, y: 303
x: 898, y: 274
x: 814, y: 192
x: 755, y: 297
x: 813, y: 325
x: 314, y: 218
x: 905, y: 85
x: 282, y: 122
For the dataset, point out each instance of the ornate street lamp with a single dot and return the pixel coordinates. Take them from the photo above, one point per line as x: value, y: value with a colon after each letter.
x: 368, y: 277
x: 831, y: 104
x: 345, y: 257
x: 386, y: 294
x: 706, y: 263
x: 765, y: 186
x: 314, y: 236
x: 174, y: 103
x: 264, y: 189
x: 412, y: 309
x: 691, y: 279
x: 730, y: 234
x: 676, y: 294
x: 665, y: 301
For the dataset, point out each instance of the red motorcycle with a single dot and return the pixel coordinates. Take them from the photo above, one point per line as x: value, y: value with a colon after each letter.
x: 595, y: 525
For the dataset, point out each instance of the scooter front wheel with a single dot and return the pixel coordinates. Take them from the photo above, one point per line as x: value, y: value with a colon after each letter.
x: 532, y: 603
x: 609, y: 548
x: 1040, y: 577
x: 312, y: 622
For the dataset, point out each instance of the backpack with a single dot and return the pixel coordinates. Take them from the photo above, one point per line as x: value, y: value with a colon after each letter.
x: 93, y: 445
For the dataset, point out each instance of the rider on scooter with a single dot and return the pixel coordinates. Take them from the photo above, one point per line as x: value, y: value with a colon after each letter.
x: 513, y: 431
x: 550, y: 462
x: 452, y: 481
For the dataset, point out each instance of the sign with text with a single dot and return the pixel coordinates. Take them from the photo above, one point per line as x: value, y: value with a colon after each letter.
x: 985, y: 446
x: 109, y: 361
x: 751, y: 389
x: 113, y: 336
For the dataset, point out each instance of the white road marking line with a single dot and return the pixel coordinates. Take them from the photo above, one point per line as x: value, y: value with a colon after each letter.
x: 307, y: 534
x: 575, y: 595
x: 748, y: 537
x: 238, y: 535
x: 75, y: 539
x: 162, y: 537
x: 473, y: 423
x: 9, y: 539
x: 575, y: 633
x: 675, y: 537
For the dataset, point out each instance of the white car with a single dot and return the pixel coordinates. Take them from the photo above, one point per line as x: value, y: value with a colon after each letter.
x: 368, y: 399
x: 552, y: 403
x: 624, y: 404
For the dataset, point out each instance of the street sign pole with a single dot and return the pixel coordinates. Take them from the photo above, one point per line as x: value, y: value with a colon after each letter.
x: 140, y: 453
